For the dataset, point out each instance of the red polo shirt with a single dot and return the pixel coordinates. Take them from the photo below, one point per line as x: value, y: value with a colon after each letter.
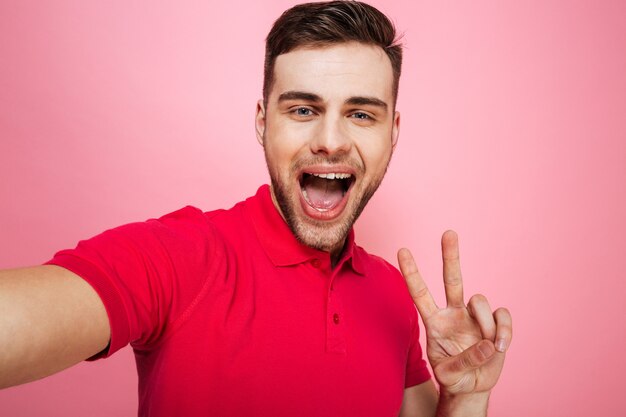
x: 229, y: 315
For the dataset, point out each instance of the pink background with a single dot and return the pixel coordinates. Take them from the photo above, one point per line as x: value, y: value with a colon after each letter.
x: 513, y: 133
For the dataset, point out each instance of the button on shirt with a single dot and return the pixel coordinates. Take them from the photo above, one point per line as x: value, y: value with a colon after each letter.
x: 229, y: 315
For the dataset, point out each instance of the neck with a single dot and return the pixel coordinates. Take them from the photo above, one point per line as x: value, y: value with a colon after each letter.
x: 335, y: 254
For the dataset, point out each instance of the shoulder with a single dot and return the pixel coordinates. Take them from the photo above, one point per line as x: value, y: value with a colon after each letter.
x: 194, y: 222
x: 186, y: 226
x: 186, y: 217
x: 390, y: 286
x: 387, y: 279
x: 375, y: 263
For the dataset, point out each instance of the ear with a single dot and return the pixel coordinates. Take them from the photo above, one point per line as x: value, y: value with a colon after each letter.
x: 259, y: 121
x: 395, y: 130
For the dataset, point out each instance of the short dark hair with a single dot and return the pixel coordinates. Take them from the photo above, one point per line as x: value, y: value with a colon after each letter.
x: 327, y: 23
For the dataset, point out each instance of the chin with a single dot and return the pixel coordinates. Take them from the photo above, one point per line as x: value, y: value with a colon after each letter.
x: 325, y: 235
x: 321, y: 198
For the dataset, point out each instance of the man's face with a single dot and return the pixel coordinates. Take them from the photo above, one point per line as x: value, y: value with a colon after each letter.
x: 328, y: 133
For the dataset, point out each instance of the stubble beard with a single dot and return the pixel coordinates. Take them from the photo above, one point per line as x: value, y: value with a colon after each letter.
x: 322, y: 235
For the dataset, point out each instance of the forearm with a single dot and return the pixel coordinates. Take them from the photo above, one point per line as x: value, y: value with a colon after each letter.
x: 50, y: 319
x: 465, y: 405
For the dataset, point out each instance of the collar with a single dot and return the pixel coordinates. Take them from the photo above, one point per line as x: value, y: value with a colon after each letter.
x: 279, y: 243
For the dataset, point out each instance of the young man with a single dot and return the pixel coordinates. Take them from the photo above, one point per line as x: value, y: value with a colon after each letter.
x: 270, y: 308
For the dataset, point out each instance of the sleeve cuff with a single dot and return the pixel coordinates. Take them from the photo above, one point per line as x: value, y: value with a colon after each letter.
x: 118, y: 319
x: 417, y: 376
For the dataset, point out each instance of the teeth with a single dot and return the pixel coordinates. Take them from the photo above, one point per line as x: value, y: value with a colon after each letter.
x: 334, y: 175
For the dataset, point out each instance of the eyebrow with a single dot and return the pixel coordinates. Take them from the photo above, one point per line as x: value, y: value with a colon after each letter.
x: 367, y: 101
x: 299, y: 95
x: 353, y: 101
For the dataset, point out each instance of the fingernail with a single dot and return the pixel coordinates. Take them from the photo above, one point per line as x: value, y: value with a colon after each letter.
x: 501, y: 345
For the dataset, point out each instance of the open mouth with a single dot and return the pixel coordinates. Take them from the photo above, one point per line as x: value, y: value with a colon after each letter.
x: 325, y: 191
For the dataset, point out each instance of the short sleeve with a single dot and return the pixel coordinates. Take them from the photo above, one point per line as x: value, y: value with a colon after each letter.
x: 147, y: 274
x: 416, y: 368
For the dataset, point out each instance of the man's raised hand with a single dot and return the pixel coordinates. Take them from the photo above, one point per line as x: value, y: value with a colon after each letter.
x: 466, y: 344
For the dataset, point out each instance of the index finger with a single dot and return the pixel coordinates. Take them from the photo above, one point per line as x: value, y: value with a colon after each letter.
x: 452, y: 279
x: 417, y: 287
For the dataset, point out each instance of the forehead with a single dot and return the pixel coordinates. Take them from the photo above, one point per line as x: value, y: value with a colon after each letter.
x: 335, y: 71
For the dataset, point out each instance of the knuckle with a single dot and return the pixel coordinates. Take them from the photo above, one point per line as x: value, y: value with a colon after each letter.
x: 503, y: 315
x: 478, y: 299
x: 463, y: 363
x: 505, y: 331
x: 421, y: 292
x: 453, y: 281
x: 472, y: 359
x: 503, y: 311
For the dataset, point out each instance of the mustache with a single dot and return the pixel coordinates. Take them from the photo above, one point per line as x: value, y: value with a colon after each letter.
x: 337, y: 159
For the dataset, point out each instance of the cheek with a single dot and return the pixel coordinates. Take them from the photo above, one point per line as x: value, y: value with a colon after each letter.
x: 375, y: 154
x: 279, y: 155
x: 284, y: 143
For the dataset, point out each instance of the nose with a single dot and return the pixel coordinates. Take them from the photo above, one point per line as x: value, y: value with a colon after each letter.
x: 331, y: 137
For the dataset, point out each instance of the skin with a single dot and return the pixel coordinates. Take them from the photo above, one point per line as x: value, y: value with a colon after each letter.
x: 466, y: 343
x: 41, y: 309
x: 329, y: 110
x: 316, y: 119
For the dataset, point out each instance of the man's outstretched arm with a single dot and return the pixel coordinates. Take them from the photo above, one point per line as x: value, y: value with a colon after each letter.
x: 50, y: 319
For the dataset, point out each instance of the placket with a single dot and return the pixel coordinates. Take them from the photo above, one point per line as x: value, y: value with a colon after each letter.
x: 335, y: 318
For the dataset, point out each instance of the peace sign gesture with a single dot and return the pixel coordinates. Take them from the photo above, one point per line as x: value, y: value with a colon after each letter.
x: 465, y: 344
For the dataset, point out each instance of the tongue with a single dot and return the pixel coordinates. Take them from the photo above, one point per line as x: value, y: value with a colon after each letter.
x: 321, y: 193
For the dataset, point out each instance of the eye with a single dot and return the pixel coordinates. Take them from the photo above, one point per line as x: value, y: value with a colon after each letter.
x: 362, y: 117
x: 303, y: 111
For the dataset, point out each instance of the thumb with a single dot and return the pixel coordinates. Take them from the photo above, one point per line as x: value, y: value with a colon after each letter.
x: 452, y: 370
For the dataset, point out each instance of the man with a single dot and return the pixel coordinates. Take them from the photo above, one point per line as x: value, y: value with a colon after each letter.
x: 270, y: 308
